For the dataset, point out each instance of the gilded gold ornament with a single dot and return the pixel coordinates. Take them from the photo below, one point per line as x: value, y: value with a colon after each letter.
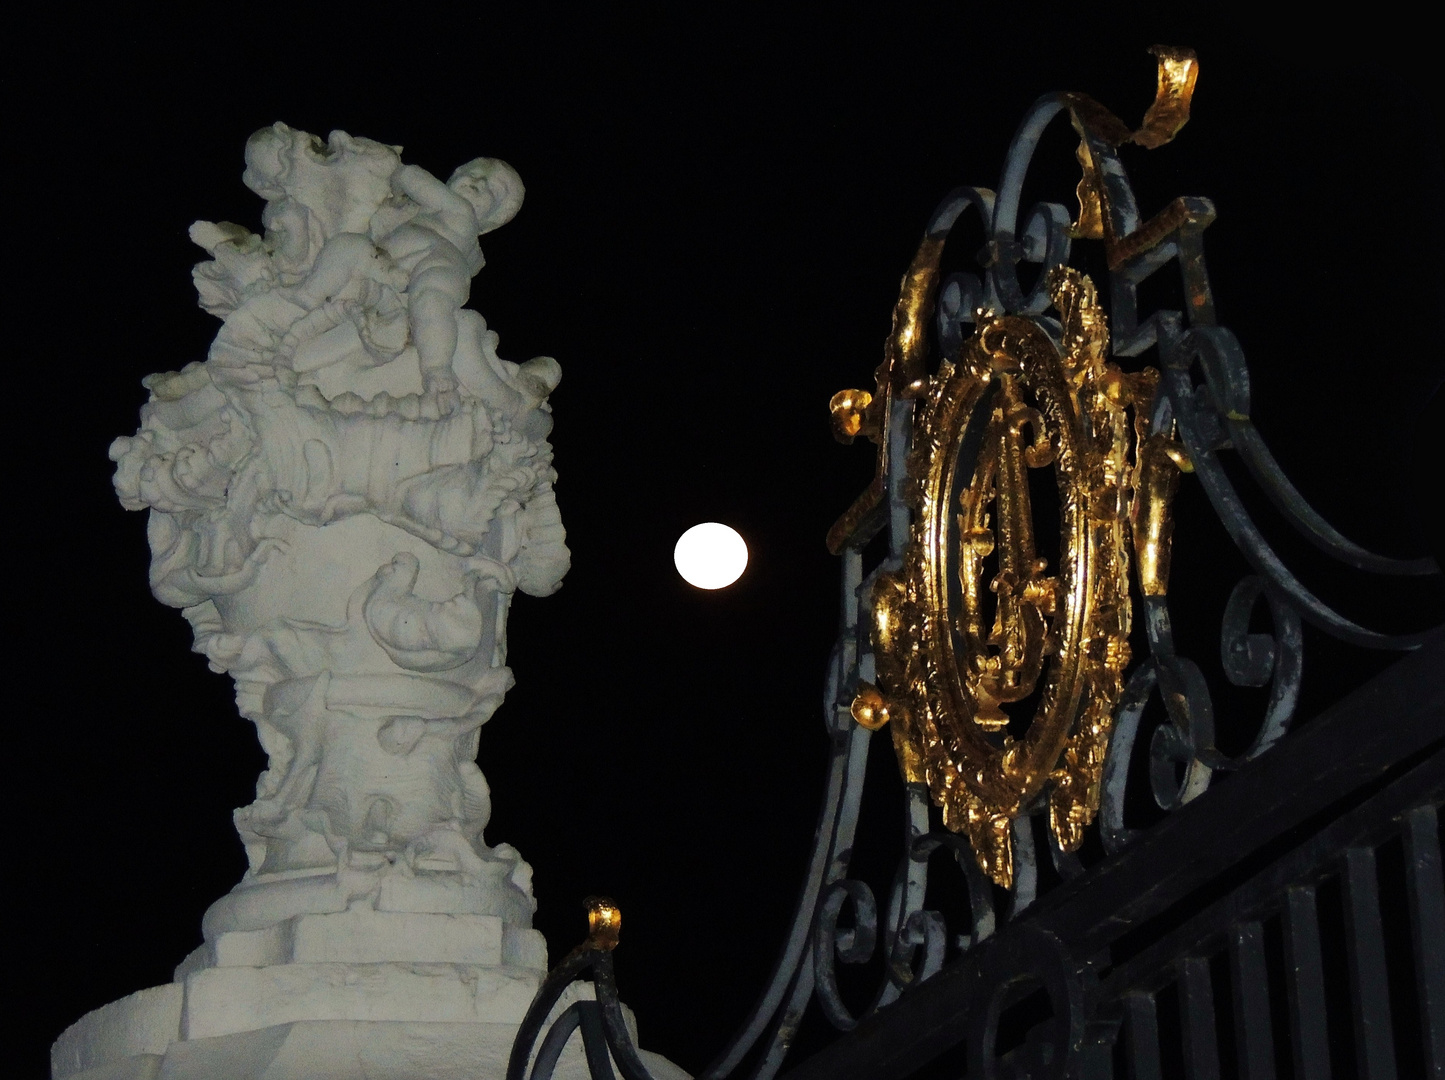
x: 997, y: 672
x: 869, y: 709
x: 604, y: 923
x: 977, y: 620
x: 1178, y: 71
x: 851, y: 415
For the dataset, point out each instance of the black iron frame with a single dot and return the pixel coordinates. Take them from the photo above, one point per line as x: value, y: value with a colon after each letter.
x: 1221, y: 883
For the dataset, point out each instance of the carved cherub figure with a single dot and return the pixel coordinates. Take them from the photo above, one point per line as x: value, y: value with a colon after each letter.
x: 339, y: 184
x: 429, y: 230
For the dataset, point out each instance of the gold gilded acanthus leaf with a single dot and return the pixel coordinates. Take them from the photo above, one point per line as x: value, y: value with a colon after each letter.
x: 1178, y: 71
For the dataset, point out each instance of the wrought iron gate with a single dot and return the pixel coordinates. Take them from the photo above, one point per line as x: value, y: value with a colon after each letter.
x: 1287, y: 922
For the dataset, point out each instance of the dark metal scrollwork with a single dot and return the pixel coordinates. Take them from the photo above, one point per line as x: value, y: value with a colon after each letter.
x: 1039, y: 374
x: 605, y: 1038
x: 1199, y: 410
x: 853, y: 945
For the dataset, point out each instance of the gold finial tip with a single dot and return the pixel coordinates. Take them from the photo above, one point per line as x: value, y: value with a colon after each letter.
x: 604, y: 922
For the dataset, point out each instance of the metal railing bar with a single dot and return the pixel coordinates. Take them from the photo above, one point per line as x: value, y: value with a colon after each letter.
x: 935, y: 1022
x: 1141, y: 1034
x: 594, y: 1044
x: 1287, y: 499
x: 787, y: 1028
x: 1369, y: 980
x: 1305, y: 984
x: 1251, y: 1001
x: 1372, y: 822
x: 1196, y: 1019
x: 840, y: 788
x: 1426, y: 891
x: 557, y: 1036
x: 931, y: 1017
x: 1338, y: 752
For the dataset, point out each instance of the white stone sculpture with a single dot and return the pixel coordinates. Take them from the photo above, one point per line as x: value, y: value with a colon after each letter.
x: 343, y: 498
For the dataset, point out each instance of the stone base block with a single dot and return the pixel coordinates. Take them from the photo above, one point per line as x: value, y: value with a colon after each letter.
x: 220, y: 1001
x: 139, y: 1025
x: 270, y: 900
x: 141, y: 1067
x: 330, y: 1020
x: 348, y: 1050
x: 352, y: 1050
x: 365, y: 936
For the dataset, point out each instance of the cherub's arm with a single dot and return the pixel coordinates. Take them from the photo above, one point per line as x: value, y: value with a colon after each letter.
x: 427, y: 191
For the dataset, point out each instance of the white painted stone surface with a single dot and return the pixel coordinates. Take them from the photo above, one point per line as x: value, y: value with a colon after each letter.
x: 369, y: 937
x: 349, y: 1050
x: 143, y: 1023
x: 343, y: 498
x: 221, y: 1001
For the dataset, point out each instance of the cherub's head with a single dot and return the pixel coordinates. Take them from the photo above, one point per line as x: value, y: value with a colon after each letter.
x: 269, y: 154
x: 493, y: 189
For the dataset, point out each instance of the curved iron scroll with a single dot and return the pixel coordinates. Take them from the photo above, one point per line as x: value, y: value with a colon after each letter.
x: 1203, y: 394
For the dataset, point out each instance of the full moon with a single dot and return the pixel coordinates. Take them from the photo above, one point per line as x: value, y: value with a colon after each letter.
x: 710, y: 555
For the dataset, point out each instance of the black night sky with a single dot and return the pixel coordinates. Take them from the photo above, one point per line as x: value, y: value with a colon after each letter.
x: 718, y: 211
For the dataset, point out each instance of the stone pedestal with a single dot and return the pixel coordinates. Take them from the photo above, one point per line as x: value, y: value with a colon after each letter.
x: 145, y: 1036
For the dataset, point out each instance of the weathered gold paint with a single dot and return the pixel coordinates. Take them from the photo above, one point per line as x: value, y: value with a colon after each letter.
x: 1178, y: 71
